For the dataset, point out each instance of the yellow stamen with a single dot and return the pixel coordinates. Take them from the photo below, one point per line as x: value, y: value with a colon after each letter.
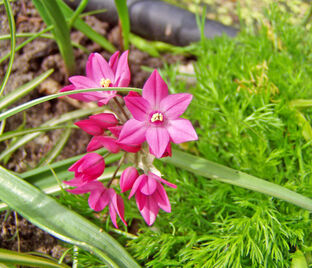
x: 105, y: 82
x: 157, y: 117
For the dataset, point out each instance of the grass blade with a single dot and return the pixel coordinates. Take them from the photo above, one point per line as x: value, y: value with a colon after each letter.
x: 13, y: 257
x: 32, y: 103
x: 13, y: 43
x: 53, y: 122
x: 50, y: 216
x: 123, y: 15
x: 80, y: 25
x: 202, y: 167
x: 23, y: 90
x: 52, y: 15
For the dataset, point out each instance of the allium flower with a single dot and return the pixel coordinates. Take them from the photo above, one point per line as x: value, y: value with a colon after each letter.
x: 156, y: 117
x: 87, y: 169
x: 100, y: 197
x: 150, y: 195
x: 99, y: 73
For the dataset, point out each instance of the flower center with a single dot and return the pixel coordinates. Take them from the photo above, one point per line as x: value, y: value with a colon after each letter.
x: 105, y: 82
x: 157, y: 117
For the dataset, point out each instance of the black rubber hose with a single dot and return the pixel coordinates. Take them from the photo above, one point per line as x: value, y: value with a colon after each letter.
x: 157, y: 20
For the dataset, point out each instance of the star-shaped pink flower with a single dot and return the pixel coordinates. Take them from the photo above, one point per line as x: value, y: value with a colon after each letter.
x: 156, y: 117
x: 99, y: 73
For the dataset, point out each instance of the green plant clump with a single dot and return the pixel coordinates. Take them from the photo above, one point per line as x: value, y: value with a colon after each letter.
x: 247, y: 108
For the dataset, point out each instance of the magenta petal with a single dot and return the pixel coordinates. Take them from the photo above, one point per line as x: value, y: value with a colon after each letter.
x: 113, y: 61
x: 150, y: 210
x: 98, y: 199
x: 122, y: 75
x: 133, y: 132
x: 139, y: 107
x: 162, y: 198
x: 130, y: 148
x: 137, y: 184
x: 99, y: 69
x: 75, y: 182
x: 127, y: 178
x: 105, y: 120
x: 175, y: 105
x: 87, y: 187
x: 119, y: 207
x: 90, y: 127
x: 140, y: 200
x: 158, y: 139
x: 157, y: 178
x: 103, y: 141
x: 155, y: 89
x: 149, y: 186
x: 81, y: 82
x: 107, y: 97
x: 181, y: 130
x: 115, y: 130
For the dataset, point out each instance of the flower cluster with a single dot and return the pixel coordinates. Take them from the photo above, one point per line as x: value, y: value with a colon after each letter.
x: 153, y: 117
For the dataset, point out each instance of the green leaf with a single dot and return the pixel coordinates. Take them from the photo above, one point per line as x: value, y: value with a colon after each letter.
x: 299, y: 260
x: 13, y: 43
x: 50, y: 216
x: 202, y: 167
x: 52, y: 15
x: 80, y: 25
x: 123, y: 15
x: 23, y: 90
x: 32, y: 103
x: 53, y: 122
x: 13, y: 257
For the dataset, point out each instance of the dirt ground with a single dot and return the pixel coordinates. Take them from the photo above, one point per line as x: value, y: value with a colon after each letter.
x: 34, y: 59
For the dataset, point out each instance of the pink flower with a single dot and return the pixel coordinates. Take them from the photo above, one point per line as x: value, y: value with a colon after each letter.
x: 100, y: 197
x: 87, y: 169
x: 156, y: 117
x: 150, y: 195
x: 99, y: 73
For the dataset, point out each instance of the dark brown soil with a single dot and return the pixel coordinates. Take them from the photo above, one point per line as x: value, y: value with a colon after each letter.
x: 34, y: 59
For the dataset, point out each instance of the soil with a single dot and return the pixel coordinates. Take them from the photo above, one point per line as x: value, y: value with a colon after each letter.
x: 34, y: 59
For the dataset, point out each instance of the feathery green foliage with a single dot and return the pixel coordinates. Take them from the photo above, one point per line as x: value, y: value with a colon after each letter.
x: 243, y: 97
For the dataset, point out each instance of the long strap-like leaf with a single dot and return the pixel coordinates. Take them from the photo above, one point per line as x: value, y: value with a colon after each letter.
x: 54, y: 218
x: 211, y: 170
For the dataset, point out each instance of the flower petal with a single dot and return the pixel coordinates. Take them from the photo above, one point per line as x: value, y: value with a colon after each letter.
x: 175, y: 105
x: 119, y: 207
x: 181, y: 130
x: 122, y: 74
x: 98, y: 142
x: 98, y: 199
x: 138, y: 107
x: 106, y: 97
x: 158, y: 139
x: 133, y: 132
x: 127, y: 178
x: 155, y: 89
x: 149, y: 186
x: 98, y: 68
x: 105, y: 120
x: 90, y: 127
x: 87, y: 187
x: 113, y: 61
x: 140, y: 200
x: 162, y: 198
x: 150, y: 210
x: 81, y: 82
x: 157, y: 178
x: 137, y: 184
